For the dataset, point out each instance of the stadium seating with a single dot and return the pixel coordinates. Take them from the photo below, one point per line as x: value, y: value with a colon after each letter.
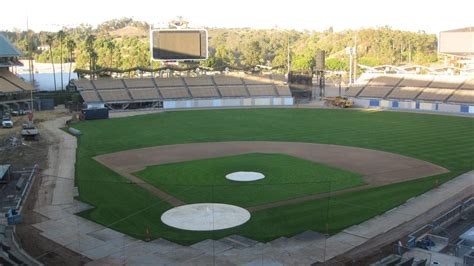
x: 105, y: 84
x: 227, y: 80
x: 385, y: 81
x: 435, y: 94
x: 204, y: 87
x: 169, y: 82
x: 406, y: 93
x: 18, y: 84
x: 257, y: 80
x: 174, y: 93
x: 139, y: 83
x: 462, y: 96
x: 7, y: 87
x: 376, y: 91
x: 435, y: 88
x: 468, y: 84
x: 353, y: 91
x: 84, y: 84
x: 416, y: 81
x: 283, y: 90
x: 114, y: 95
x: 452, y: 82
x: 199, y: 81
x: 261, y: 90
x: 144, y: 94
x: 90, y: 96
x: 233, y: 91
x: 204, y: 92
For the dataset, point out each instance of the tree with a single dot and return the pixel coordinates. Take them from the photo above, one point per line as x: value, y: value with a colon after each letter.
x: 60, y: 37
x: 90, y: 51
x: 110, y: 45
x: 71, y: 45
x: 252, y: 54
x: 49, y: 40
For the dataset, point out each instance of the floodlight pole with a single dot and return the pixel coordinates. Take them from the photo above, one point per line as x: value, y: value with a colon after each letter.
x: 288, y: 53
x: 350, y: 66
x: 354, y: 51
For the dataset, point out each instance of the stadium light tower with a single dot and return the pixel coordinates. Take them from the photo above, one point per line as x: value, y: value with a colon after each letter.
x: 349, y: 52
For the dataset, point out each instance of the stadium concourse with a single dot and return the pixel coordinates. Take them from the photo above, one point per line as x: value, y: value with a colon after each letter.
x: 454, y: 94
x: 185, y: 92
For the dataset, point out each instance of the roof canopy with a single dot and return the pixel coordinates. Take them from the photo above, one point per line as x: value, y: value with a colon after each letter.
x: 468, y: 29
x: 7, y: 49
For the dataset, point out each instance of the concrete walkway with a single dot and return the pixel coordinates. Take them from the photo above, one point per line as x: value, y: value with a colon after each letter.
x: 107, y: 246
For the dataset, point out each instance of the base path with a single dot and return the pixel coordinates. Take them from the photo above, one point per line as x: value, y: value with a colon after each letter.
x: 378, y: 167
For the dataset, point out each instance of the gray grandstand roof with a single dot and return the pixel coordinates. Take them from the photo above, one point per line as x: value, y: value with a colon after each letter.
x: 7, y: 49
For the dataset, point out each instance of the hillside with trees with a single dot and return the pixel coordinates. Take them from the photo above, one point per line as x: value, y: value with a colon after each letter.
x: 123, y: 43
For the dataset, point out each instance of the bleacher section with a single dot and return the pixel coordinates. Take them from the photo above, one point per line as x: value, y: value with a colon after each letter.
x: 416, y: 81
x: 105, y: 84
x: 90, y: 96
x: 375, y: 91
x: 233, y: 91
x: 174, y: 93
x: 354, y: 91
x: 205, y: 88
x: 10, y: 83
x: 468, y: 85
x: 463, y: 96
x: 8, y: 87
x: 114, y: 95
x: 405, y: 93
x: 204, y: 92
x: 139, y: 83
x: 435, y: 94
x: 144, y: 94
x: 261, y: 90
x: 426, y: 92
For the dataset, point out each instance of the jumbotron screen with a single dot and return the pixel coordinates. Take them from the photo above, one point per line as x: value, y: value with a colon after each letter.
x: 179, y: 45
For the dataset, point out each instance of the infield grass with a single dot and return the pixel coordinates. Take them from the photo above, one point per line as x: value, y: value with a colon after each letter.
x: 286, y: 177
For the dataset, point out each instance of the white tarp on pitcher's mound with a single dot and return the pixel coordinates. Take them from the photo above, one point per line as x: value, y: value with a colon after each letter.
x: 245, y: 176
x: 205, y: 216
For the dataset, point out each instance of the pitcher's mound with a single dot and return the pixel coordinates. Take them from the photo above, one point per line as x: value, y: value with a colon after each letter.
x: 205, y: 216
x: 245, y: 176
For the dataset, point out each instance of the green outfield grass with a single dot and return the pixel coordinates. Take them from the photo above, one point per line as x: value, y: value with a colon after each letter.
x: 443, y: 140
x: 285, y: 177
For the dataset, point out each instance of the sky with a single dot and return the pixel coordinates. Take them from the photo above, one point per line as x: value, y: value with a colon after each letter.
x: 428, y: 15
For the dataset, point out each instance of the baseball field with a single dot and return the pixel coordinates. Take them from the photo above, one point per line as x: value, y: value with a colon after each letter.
x: 325, y: 170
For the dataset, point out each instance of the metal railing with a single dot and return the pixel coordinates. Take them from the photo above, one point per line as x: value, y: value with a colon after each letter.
x: 440, y: 220
x: 34, y: 171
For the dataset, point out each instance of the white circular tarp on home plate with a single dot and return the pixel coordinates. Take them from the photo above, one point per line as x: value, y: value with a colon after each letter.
x: 245, y: 176
x: 205, y: 216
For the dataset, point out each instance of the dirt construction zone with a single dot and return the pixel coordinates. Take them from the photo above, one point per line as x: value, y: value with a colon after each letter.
x: 377, y: 167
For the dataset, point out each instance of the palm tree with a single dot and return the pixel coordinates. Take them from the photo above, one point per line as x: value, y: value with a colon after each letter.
x: 61, y: 36
x: 49, y: 40
x: 110, y: 46
x: 71, y: 45
x: 90, y: 50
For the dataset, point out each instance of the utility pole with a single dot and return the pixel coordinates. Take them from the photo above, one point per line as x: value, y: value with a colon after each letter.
x: 349, y: 53
x: 355, y: 57
x: 288, y: 53
x: 30, y: 67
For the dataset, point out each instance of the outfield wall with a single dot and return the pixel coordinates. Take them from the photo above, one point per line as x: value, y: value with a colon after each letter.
x: 414, y: 105
x: 227, y: 102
